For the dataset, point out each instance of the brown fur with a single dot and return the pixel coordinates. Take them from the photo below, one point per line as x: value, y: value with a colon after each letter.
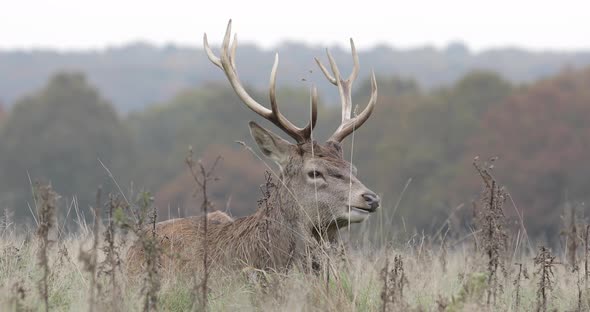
x: 268, y: 239
x: 219, y: 217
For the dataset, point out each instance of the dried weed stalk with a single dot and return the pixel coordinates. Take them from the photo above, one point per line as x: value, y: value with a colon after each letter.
x: 112, y: 261
x: 579, y: 307
x: 522, y: 275
x: 89, y: 258
x: 443, y: 255
x: 201, y: 177
x: 18, y: 296
x: 46, y: 200
x: 490, y: 221
x: 394, y: 280
x: 546, y: 261
x: 586, y: 251
x: 152, y: 250
x: 63, y: 255
x: 144, y: 216
x: 570, y: 232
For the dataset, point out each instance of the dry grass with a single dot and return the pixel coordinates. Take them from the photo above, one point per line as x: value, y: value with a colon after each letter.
x: 356, y: 285
x: 411, y: 275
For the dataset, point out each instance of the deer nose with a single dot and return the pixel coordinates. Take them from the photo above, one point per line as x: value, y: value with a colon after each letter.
x: 372, y: 200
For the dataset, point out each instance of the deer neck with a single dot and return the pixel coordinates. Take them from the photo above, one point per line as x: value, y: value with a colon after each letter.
x: 280, y: 206
x: 275, y: 231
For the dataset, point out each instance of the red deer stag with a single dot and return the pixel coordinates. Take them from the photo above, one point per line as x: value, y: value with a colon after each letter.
x: 317, y: 192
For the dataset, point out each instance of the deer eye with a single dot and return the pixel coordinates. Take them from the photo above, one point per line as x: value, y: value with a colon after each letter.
x: 315, y: 174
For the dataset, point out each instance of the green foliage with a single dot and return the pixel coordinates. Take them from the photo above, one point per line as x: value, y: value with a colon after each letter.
x: 178, y: 297
x: 57, y: 134
x: 197, y: 117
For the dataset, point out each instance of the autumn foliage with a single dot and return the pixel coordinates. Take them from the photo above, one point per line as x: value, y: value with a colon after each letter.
x: 417, y: 149
x: 235, y: 190
x: 542, y: 136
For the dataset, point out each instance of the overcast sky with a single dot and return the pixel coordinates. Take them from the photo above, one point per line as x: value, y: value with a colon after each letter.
x: 79, y: 24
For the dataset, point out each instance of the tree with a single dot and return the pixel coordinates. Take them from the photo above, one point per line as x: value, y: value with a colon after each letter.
x: 2, y: 112
x: 422, y: 136
x: 201, y: 118
x: 541, y: 135
x: 58, y: 134
x: 239, y: 174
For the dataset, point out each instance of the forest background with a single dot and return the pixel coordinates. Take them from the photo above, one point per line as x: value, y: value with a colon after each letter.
x: 129, y: 114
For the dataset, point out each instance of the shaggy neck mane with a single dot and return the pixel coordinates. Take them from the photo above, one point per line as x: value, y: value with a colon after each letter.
x: 274, y: 236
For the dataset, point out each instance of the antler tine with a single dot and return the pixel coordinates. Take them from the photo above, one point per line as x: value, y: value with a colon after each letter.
x: 344, y: 89
x: 302, y: 134
x: 355, y: 60
x: 314, y: 106
x: 214, y: 59
x: 355, y: 68
x: 273, y: 82
x: 227, y: 63
x: 233, y: 49
x: 351, y: 124
x: 314, y: 113
x: 325, y: 71
x: 226, y: 37
x: 232, y: 76
x: 348, y: 124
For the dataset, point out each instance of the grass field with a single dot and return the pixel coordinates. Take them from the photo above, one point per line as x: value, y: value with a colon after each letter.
x: 493, y: 268
x: 430, y: 281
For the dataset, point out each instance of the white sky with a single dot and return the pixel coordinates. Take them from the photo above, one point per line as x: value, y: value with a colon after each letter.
x: 80, y: 24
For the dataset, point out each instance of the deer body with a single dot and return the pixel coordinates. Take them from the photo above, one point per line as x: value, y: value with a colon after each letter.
x: 317, y: 192
x: 270, y: 238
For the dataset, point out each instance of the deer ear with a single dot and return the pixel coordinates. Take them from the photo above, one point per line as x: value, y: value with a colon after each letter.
x: 271, y: 145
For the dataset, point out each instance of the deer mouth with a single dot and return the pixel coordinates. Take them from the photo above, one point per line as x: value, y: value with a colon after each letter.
x: 363, y: 210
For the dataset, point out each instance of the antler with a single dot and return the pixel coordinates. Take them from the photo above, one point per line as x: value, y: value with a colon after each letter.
x: 227, y: 64
x: 348, y: 124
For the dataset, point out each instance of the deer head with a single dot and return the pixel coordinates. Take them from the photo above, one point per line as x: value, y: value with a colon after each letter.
x: 320, y: 180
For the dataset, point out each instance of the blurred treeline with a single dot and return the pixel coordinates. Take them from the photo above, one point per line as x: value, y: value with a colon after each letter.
x: 420, y: 140
x: 137, y: 75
